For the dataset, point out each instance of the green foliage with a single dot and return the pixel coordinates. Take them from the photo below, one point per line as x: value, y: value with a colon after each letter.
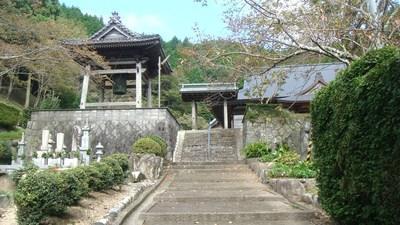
x: 47, y: 193
x: 122, y: 159
x: 118, y: 173
x: 38, y: 195
x: 106, y: 179
x: 5, y: 153
x: 160, y: 141
x: 75, y: 184
x: 256, y: 150
x: 147, y: 145
x: 299, y: 170
x: 356, y: 139
x: 28, y: 168
x: 50, y: 102
x: 287, y: 157
x: 257, y: 112
x: 94, y: 178
x: 9, y: 115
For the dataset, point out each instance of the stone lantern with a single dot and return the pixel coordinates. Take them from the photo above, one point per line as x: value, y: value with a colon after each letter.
x: 99, y: 151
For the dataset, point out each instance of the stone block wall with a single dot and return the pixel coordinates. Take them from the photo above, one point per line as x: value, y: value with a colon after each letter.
x: 293, y: 130
x: 116, y: 129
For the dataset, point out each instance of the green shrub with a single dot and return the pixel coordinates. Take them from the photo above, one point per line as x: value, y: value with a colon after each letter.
x: 94, y: 178
x: 161, y: 142
x: 256, y: 150
x: 106, y: 179
x: 28, y: 168
x: 75, y: 184
x: 5, y: 153
x: 39, y: 195
x: 298, y: 170
x: 287, y: 157
x: 122, y: 159
x: 118, y: 173
x: 356, y: 139
x: 9, y: 115
x: 147, y: 146
x: 11, y: 135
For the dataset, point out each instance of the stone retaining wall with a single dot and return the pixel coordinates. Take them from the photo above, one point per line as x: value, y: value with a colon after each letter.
x: 116, y: 129
x: 293, y: 130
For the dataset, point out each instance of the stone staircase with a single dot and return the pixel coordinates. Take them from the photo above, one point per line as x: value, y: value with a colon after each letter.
x: 221, y: 193
x: 192, y: 146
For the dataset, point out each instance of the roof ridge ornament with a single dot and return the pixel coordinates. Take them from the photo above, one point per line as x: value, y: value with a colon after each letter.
x: 115, y: 18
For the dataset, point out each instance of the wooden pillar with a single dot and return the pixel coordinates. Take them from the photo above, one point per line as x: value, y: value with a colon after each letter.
x: 139, y: 85
x: 159, y: 81
x: 194, y: 115
x: 149, y: 97
x: 28, y: 91
x: 226, y: 126
x: 85, y: 87
x: 102, y: 90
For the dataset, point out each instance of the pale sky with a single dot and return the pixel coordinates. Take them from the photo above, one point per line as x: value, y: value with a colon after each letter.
x: 165, y: 17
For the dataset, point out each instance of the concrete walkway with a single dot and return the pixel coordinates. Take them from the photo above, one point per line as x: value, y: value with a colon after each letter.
x: 217, y: 194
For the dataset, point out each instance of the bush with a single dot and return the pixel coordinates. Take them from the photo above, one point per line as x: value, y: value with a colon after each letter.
x: 147, y: 146
x: 256, y: 150
x: 75, y: 184
x: 9, y: 115
x: 118, y: 173
x: 38, y: 195
x: 106, y: 179
x: 11, y: 135
x: 28, y: 168
x: 161, y: 142
x: 356, y: 139
x: 298, y: 170
x: 122, y: 159
x: 94, y: 178
x: 5, y: 153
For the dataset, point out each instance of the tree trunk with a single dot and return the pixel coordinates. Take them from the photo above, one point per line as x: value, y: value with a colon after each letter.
x: 28, y: 91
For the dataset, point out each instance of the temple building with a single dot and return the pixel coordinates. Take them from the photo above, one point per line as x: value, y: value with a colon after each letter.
x: 133, y: 61
x: 294, y: 90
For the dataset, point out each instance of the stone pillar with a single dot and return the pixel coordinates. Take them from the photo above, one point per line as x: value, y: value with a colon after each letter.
x: 45, y: 140
x: 60, y: 142
x: 139, y: 85
x: 85, y: 87
x: 194, y: 115
x: 226, y: 114
x: 149, y: 97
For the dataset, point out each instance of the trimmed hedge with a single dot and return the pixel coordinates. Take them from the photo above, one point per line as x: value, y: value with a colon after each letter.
x: 48, y: 192
x: 147, y: 145
x: 38, y: 195
x: 356, y: 140
x: 161, y: 142
x: 9, y: 115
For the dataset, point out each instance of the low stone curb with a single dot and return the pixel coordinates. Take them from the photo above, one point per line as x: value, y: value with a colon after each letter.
x: 117, y: 214
x: 114, y: 213
x: 291, y: 188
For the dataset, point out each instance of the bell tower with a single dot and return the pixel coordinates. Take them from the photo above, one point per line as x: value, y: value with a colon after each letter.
x: 133, y: 59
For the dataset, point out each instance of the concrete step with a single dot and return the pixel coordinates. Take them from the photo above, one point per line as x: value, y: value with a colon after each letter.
x: 237, y: 217
x: 217, y: 195
x: 228, y: 222
x: 223, y: 186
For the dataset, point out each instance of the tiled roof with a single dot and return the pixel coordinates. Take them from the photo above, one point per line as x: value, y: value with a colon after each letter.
x: 297, y: 82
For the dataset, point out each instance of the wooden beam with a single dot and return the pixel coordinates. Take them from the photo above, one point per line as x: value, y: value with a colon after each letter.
x: 105, y: 104
x: 194, y: 115
x: 114, y: 71
x: 130, y: 62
